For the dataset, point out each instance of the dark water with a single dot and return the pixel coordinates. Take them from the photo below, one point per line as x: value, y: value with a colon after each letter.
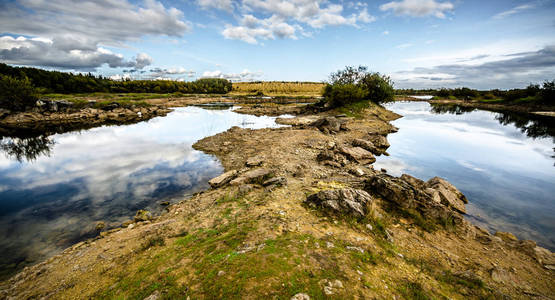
x: 502, y: 162
x: 53, y: 190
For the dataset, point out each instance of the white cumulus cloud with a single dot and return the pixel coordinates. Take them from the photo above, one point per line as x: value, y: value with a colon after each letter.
x: 418, y: 8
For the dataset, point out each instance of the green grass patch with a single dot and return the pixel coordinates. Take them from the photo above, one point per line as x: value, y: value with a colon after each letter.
x: 355, y: 110
x: 412, y: 290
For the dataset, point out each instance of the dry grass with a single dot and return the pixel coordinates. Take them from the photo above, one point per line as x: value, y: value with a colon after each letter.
x: 278, y: 88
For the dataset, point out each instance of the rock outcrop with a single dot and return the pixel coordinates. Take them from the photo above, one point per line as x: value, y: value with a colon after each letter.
x: 345, y: 201
x: 436, y: 199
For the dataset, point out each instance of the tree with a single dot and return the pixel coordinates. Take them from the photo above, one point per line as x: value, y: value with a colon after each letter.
x: 547, y: 92
x: 354, y: 84
x: 16, y: 94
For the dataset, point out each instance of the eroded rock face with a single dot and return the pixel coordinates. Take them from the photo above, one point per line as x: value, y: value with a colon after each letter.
x: 343, y: 201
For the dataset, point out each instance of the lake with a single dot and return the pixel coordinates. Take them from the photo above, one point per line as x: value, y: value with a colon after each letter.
x: 502, y: 162
x: 54, y: 189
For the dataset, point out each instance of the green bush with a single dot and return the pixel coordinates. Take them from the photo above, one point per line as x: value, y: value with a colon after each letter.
x: 16, y: 94
x: 342, y: 94
x: 357, y: 84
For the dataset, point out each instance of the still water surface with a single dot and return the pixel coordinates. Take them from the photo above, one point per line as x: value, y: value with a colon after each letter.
x: 502, y: 162
x: 53, y: 190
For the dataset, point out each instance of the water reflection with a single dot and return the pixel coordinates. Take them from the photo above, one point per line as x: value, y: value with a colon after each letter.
x: 28, y: 149
x: 54, y: 189
x: 533, y: 126
x: 501, y: 161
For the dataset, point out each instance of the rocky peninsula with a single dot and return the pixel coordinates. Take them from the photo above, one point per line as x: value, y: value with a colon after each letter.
x: 300, y: 213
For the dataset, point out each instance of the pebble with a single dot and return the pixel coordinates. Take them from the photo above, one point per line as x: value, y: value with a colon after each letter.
x: 300, y: 296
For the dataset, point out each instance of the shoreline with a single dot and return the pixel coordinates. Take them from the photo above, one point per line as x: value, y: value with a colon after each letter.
x: 302, y: 159
x: 539, y: 110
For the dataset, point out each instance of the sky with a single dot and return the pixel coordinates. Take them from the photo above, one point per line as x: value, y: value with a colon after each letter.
x: 418, y: 43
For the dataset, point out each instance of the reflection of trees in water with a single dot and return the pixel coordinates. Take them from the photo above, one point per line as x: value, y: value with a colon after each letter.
x: 451, y: 109
x: 532, y: 126
x: 26, y: 148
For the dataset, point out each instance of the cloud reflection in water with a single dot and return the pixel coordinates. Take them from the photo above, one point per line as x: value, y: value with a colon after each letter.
x: 104, y: 174
x: 501, y: 162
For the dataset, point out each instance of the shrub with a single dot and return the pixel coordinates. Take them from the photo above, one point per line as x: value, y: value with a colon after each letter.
x: 356, y: 84
x: 342, y: 94
x: 16, y: 94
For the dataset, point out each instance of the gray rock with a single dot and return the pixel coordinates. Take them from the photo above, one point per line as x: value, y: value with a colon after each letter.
x: 449, y: 194
x: 379, y: 141
x: 277, y: 181
x: 222, y: 179
x: 344, y: 201
x: 366, y: 145
x: 357, y: 154
x: 328, y: 124
x: 500, y: 275
x: 300, y: 296
x: 392, y: 189
x: 153, y: 296
x: 256, y: 176
x: 415, y: 182
x: 332, y: 158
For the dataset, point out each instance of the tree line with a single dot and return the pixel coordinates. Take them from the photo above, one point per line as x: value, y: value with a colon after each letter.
x: 20, y: 87
x: 544, y: 93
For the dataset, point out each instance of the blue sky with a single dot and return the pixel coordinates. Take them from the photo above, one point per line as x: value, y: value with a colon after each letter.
x: 419, y: 43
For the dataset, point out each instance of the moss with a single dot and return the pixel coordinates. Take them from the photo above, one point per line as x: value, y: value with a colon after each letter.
x: 152, y: 242
x: 356, y: 109
x: 412, y: 290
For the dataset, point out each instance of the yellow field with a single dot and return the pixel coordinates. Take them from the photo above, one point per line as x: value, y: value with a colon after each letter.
x: 278, y: 88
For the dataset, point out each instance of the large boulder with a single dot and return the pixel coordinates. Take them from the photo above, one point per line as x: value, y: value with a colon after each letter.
x: 342, y: 201
x: 450, y: 196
